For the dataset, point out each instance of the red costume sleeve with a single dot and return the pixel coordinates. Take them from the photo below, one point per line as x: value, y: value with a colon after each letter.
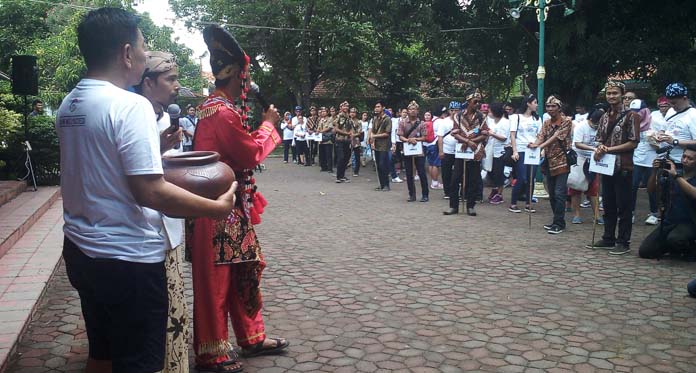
x: 223, y: 132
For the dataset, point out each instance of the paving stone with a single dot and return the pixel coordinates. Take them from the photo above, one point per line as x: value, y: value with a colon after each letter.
x: 379, y: 302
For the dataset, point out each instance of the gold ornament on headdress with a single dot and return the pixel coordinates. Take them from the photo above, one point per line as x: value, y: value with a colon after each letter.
x: 553, y: 100
x: 475, y: 94
x: 413, y: 104
x: 615, y: 84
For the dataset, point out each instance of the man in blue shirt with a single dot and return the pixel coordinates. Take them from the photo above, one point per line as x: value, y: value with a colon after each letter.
x: 677, y: 232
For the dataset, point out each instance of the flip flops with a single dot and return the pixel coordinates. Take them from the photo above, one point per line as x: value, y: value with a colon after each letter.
x: 259, y: 350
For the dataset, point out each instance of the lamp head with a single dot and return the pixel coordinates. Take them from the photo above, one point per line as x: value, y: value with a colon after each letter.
x: 515, y: 13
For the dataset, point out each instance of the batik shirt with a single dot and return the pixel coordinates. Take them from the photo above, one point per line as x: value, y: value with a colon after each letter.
x: 627, y: 129
x: 556, y: 150
x: 380, y: 125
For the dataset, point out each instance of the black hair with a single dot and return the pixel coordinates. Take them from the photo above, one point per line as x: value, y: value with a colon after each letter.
x: 222, y: 83
x: 103, y: 32
x: 37, y: 101
x: 381, y: 103
x: 691, y: 147
x: 523, y: 107
x: 595, y: 115
x: 497, y: 110
x: 152, y: 75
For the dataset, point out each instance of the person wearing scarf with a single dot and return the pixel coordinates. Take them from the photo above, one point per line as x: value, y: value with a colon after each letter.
x: 225, y: 254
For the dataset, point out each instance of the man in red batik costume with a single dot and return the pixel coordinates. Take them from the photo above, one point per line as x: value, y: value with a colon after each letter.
x: 225, y: 254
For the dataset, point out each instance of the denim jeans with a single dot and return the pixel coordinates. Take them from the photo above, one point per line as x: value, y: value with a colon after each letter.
x: 382, y: 159
x: 617, y: 207
x: 641, y: 175
x: 522, y: 184
x: 357, y: 153
x: 392, y: 165
x: 558, y: 190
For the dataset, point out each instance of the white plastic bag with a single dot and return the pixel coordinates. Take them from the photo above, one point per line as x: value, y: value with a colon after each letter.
x: 577, y: 179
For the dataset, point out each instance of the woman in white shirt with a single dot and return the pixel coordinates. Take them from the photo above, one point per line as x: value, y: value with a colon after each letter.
x: 644, y: 155
x: 499, y: 137
x: 524, y: 128
x: 300, y: 135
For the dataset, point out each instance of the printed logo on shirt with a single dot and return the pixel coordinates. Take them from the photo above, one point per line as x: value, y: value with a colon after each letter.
x: 72, y: 121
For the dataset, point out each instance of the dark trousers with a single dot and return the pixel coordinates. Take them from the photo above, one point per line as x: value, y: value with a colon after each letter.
x: 447, y: 165
x: 326, y: 156
x: 641, y: 175
x: 357, y: 154
x: 558, y: 193
x: 409, y: 161
x: 313, y: 149
x: 675, y: 238
x: 617, y: 201
x: 382, y: 159
x: 342, y: 158
x: 302, y: 149
x: 287, y: 145
x: 521, y: 187
x: 472, y: 181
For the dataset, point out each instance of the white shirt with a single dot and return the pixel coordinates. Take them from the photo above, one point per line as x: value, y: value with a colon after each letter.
x: 580, y: 117
x: 300, y: 131
x: 501, y: 128
x: 288, y: 133
x: 681, y: 127
x: 585, y: 134
x: 189, y: 125
x: 449, y: 143
x: 174, y: 228
x: 365, y: 127
x: 395, y: 127
x: 527, y: 130
x: 106, y: 134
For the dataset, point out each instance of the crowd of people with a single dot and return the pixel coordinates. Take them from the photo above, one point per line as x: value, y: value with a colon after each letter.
x: 596, y: 159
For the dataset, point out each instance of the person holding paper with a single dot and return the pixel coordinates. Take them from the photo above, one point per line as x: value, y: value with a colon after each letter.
x: 524, y: 128
x: 681, y: 122
x: 344, y: 135
x: 446, y: 144
x: 619, y: 134
x: 412, y: 133
x: 471, y: 132
x: 555, y: 139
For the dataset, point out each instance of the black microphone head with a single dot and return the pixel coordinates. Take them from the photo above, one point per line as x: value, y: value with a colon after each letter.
x: 174, y: 111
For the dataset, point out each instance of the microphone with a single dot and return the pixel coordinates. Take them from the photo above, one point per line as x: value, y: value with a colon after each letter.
x: 254, y: 88
x: 174, y: 111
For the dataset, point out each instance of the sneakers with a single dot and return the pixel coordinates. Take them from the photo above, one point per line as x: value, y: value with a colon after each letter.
x: 529, y: 209
x: 355, y: 175
x: 600, y: 221
x: 411, y: 199
x: 651, y: 220
x: 515, y: 209
x: 397, y: 180
x: 345, y: 180
x: 633, y: 219
x: 416, y: 178
x: 586, y: 204
x: 425, y: 199
x: 496, y: 199
x: 555, y: 230
x: 601, y: 244
x: 548, y: 226
x: 620, y: 249
x: 576, y: 220
x: 338, y: 181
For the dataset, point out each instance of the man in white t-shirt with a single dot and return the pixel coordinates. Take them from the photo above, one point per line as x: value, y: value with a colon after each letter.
x: 188, y: 125
x: 681, y: 122
x: 114, y: 195
x: 446, y: 144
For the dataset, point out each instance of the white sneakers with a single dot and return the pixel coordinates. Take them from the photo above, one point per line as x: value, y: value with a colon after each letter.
x: 397, y: 180
x: 651, y: 220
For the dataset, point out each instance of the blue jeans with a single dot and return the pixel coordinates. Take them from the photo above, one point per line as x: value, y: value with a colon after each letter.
x: 641, y: 175
x: 382, y: 159
x: 522, y: 176
x: 392, y: 165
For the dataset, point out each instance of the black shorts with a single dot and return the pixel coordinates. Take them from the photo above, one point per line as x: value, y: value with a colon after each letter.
x: 125, y: 308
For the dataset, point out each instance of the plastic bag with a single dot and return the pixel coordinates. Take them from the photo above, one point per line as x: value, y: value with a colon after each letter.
x: 577, y: 179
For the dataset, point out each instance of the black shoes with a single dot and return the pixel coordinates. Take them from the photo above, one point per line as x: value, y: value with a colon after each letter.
x: 424, y: 199
x: 451, y: 212
x: 601, y: 244
x: 411, y: 199
x: 555, y: 230
x: 471, y: 211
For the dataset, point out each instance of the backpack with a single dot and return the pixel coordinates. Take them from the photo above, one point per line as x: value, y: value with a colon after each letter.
x: 429, y: 132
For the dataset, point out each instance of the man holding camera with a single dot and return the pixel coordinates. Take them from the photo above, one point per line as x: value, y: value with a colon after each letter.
x: 677, y: 231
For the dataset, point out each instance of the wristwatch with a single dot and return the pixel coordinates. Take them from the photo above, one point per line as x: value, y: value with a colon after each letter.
x: 675, y: 142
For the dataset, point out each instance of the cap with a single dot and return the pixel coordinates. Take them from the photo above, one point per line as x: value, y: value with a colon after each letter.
x: 455, y: 105
x: 637, y: 104
x: 298, y: 108
x: 675, y: 90
x: 484, y: 107
x: 662, y: 101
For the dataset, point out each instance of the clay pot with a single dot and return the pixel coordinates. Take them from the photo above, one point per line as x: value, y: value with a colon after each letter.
x: 199, y: 172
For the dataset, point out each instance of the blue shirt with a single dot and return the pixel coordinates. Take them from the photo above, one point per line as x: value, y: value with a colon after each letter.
x: 681, y: 204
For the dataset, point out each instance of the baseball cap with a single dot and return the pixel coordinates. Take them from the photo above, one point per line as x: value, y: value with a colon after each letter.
x: 455, y: 105
x: 298, y: 108
x: 637, y: 104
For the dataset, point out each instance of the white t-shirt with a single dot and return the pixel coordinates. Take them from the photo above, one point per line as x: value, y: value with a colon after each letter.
x: 449, y: 143
x: 106, y: 134
x: 580, y: 117
x: 365, y: 127
x: 585, y: 134
x: 300, y: 131
x: 681, y: 127
x: 527, y: 130
x: 174, y: 228
x: 288, y: 133
x: 501, y: 128
x: 395, y: 127
x: 189, y: 125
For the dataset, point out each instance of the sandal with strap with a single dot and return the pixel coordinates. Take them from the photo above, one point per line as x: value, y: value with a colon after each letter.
x: 222, y: 367
x: 259, y: 350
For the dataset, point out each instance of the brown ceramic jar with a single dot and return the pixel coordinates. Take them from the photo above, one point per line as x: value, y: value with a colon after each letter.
x: 199, y: 172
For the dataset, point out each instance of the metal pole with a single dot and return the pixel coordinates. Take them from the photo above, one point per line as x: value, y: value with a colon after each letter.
x: 541, y: 70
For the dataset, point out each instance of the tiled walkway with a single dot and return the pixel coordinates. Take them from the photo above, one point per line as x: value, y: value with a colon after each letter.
x: 360, y: 280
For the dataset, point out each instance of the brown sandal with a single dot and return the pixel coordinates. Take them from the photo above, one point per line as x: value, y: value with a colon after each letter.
x: 259, y: 350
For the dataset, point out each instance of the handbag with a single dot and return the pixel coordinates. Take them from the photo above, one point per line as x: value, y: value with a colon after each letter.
x: 577, y: 179
x: 507, y: 151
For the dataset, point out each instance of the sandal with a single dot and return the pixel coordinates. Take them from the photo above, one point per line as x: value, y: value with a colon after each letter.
x: 222, y: 367
x: 258, y: 349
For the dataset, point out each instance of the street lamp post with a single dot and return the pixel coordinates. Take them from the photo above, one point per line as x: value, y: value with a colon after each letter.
x: 542, y: 12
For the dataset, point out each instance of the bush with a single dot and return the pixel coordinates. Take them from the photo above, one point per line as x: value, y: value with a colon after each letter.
x: 45, y: 155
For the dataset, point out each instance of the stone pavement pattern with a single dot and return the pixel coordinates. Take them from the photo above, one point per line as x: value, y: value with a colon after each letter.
x: 360, y: 280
